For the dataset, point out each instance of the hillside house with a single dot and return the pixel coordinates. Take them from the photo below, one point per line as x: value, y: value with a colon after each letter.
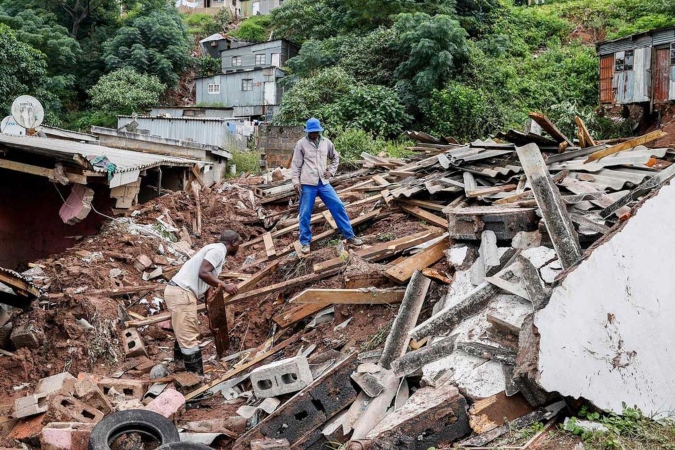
x: 638, y: 68
x: 250, y: 80
x: 240, y: 9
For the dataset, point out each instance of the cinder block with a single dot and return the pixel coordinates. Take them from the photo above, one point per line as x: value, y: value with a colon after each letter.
x: 64, y: 408
x: 270, y: 444
x: 131, y: 389
x: 300, y: 418
x: 168, y: 403
x: 335, y: 392
x: 281, y: 377
x: 63, y: 382
x: 65, y: 436
x: 27, y: 336
x: 133, y: 344
x: 30, y: 405
x: 88, y: 392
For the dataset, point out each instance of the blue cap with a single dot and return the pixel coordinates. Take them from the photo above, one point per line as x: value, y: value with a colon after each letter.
x: 313, y: 126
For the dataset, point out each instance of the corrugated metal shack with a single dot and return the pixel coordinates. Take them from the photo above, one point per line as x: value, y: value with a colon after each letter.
x: 638, y: 68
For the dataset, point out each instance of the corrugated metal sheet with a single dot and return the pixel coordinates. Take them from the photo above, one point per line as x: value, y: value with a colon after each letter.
x: 125, y: 160
x: 663, y: 37
x: 606, y: 72
x: 203, y: 130
x: 614, y: 179
x: 623, y: 83
x: 642, y: 70
x: 662, y: 74
x: 610, y: 48
x: 671, y: 95
x: 637, y: 157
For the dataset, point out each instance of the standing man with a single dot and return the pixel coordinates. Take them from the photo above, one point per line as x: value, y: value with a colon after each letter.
x: 189, y: 284
x: 311, y: 174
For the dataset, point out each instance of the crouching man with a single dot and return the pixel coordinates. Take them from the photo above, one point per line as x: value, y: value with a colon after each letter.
x: 189, y: 284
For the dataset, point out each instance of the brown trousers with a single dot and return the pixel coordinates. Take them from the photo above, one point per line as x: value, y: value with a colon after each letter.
x: 182, y: 305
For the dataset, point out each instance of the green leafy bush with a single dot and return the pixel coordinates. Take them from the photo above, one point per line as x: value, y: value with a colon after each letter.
x: 254, y: 29
x: 246, y: 161
x: 125, y: 91
x: 206, y: 66
x: 202, y: 25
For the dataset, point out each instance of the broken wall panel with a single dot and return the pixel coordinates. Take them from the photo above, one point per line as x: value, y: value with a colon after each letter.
x: 606, y: 333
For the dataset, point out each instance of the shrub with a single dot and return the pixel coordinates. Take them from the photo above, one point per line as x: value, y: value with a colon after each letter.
x: 254, y: 29
x: 246, y: 161
x: 125, y: 91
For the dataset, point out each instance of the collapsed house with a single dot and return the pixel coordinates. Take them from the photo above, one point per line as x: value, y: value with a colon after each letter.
x: 499, y: 279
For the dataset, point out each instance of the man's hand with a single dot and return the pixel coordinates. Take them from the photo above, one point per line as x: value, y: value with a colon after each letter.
x: 231, y: 288
x: 327, y: 175
x: 298, y: 188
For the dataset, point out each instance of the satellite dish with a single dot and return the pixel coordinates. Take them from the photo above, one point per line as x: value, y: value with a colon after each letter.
x: 10, y: 127
x: 28, y: 112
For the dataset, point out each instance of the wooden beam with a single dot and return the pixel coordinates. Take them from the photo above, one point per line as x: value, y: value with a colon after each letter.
x: 585, y: 139
x: 294, y: 315
x: 426, y: 216
x: 269, y: 246
x: 114, y: 292
x: 198, y: 176
x: 403, y: 271
x: 649, y: 137
x: 40, y: 171
x: 480, y: 192
x: 550, y: 128
x: 244, y: 367
x: 422, y: 204
x: 328, y: 297
x: 195, y: 193
x: 381, y: 181
x: 298, y: 250
x: 329, y: 218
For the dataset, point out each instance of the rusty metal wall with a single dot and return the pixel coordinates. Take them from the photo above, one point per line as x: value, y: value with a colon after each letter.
x: 662, y: 75
x: 606, y: 72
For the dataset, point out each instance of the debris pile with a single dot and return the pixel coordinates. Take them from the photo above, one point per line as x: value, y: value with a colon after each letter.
x: 497, y: 279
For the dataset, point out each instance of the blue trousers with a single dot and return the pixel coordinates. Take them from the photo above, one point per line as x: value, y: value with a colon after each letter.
x: 337, y: 209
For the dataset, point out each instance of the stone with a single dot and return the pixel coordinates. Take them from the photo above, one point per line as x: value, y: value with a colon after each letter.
x: 281, y: 377
x: 65, y: 436
x: 28, y: 430
x: 64, y: 382
x: 187, y: 379
x: 142, y: 262
x: 64, y: 408
x: 168, y: 403
x: 30, y: 405
x: 270, y: 444
x: 88, y: 392
x: 27, y: 336
x: 159, y: 371
x: 130, y: 389
x: 133, y: 344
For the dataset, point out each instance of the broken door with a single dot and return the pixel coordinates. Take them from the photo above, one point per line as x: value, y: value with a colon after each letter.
x: 662, y: 74
x: 606, y: 71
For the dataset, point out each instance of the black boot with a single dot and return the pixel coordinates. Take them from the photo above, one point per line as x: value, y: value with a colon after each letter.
x: 194, y: 363
x: 177, y: 355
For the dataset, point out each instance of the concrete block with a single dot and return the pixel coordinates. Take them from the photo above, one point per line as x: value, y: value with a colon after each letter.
x: 430, y: 417
x: 27, y: 336
x: 63, y: 382
x: 301, y: 417
x: 64, y: 408
x: 281, y: 377
x: 30, y: 405
x: 270, y: 444
x: 133, y: 344
x: 131, y: 389
x: 65, y: 436
x: 168, y: 403
x: 88, y: 392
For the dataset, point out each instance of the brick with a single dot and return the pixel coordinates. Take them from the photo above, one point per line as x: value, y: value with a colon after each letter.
x: 88, y: 392
x: 168, y: 403
x: 430, y: 417
x: 64, y: 408
x: 270, y: 444
x: 65, y: 436
x: 281, y: 377
x: 63, y: 382
x: 131, y: 389
x: 30, y: 405
x: 28, y: 430
x: 142, y: 262
x: 133, y: 344
x: 27, y: 336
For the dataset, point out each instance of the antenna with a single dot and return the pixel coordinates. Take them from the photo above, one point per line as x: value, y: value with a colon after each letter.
x: 28, y: 112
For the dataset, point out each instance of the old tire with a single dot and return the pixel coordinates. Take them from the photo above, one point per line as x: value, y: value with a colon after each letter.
x: 147, y: 423
x: 184, y: 446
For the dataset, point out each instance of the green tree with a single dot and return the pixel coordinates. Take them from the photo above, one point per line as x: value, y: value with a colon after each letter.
x: 301, y: 20
x: 254, y: 29
x: 125, y: 91
x: 373, y: 58
x: 374, y: 109
x: 155, y: 43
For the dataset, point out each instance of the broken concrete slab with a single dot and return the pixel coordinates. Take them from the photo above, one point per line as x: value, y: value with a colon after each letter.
x: 65, y: 436
x: 413, y: 361
x: 488, y: 257
x: 168, y: 404
x: 368, y: 383
x: 608, y: 318
x: 64, y: 382
x: 28, y: 336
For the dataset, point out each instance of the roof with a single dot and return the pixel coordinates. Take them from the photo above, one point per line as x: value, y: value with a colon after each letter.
x: 253, y: 44
x: 213, y: 37
x: 634, y: 36
x: 197, y: 119
x: 125, y: 160
x: 68, y: 134
x: 240, y: 71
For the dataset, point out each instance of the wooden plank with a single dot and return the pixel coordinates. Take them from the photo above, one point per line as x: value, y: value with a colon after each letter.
x: 425, y: 215
x: 329, y: 218
x: 298, y: 250
x: 403, y: 271
x: 380, y: 180
x: 40, y: 171
x: 111, y: 292
x: 642, y: 140
x: 244, y: 367
x: 269, y: 245
x: 328, y: 297
x: 198, y: 176
x: 294, y: 315
x: 480, y: 192
x: 550, y: 128
x: 422, y: 204
x: 198, y: 206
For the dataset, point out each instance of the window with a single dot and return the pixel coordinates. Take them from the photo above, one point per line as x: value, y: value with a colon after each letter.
x: 619, y: 60
x: 246, y: 85
x: 260, y: 59
x: 628, y: 62
x: 672, y: 53
x: 214, y: 88
x: 236, y: 61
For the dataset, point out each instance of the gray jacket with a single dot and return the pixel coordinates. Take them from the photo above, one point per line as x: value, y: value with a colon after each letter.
x: 310, y: 163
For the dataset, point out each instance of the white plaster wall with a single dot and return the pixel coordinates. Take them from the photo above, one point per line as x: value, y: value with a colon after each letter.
x: 608, y: 333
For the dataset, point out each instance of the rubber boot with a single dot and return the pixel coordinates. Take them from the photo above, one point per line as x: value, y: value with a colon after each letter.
x: 194, y: 363
x: 177, y: 355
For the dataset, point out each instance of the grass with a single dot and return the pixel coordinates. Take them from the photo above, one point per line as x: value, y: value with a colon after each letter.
x: 248, y: 161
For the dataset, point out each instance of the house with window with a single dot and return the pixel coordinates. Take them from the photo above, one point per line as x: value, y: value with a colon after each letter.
x: 240, y: 9
x: 249, y: 82
x: 638, y: 68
